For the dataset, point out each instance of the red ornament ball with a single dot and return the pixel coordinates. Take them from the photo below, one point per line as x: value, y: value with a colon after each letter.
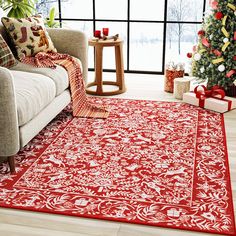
x: 219, y: 15
x: 201, y: 33
x: 189, y: 55
x: 234, y: 58
x: 217, y: 52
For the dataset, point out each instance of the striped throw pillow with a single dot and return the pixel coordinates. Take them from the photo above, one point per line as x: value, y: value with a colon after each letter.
x: 7, y: 59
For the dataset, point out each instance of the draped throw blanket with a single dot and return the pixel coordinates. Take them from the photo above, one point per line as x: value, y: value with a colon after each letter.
x: 81, y: 105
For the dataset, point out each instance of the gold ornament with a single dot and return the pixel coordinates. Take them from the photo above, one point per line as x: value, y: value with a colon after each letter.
x: 231, y: 6
x: 202, y: 50
x: 225, y: 46
x: 218, y: 60
x: 224, y: 20
x: 225, y: 32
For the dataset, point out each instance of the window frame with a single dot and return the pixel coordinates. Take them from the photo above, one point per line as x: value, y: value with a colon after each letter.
x: 128, y: 21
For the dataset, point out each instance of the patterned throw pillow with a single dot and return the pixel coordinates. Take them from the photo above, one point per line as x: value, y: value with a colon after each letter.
x: 7, y: 59
x: 29, y: 35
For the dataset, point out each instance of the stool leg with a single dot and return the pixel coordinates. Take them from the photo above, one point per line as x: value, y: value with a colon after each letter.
x: 120, y: 67
x: 98, y: 68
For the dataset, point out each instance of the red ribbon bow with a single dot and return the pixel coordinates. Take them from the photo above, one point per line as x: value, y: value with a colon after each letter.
x: 215, y: 92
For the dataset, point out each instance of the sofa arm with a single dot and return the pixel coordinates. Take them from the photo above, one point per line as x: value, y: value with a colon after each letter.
x: 9, y: 130
x: 72, y: 42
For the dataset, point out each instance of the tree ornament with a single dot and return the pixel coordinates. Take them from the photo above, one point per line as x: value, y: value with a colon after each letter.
x: 202, y: 69
x: 225, y: 40
x: 202, y: 51
x: 219, y: 15
x: 214, y: 5
x: 189, y: 55
x: 218, y: 60
x: 230, y: 73
x: 225, y: 46
x: 225, y: 32
x: 224, y: 20
x: 201, y: 33
x: 231, y: 6
x: 211, y: 37
x: 221, y: 68
x: 197, y: 57
x: 217, y: 52
x: 234, y: 58
x: 205, y: 42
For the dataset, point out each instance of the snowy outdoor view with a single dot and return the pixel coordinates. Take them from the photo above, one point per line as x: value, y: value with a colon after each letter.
x: 146, y: 38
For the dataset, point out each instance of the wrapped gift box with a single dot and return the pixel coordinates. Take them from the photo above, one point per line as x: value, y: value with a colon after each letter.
x: 172, y: 71
x: 214, y: 104
x: 170, y: 75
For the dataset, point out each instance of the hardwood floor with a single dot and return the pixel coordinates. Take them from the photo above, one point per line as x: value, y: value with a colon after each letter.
x: 19, y: 223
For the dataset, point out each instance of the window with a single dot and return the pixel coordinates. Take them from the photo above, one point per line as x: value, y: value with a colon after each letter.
x: 146, y: 46
x: 77, y: 9
x: 110, y: 9
x: 86, y: 27
x: 147, y: 10
x: 154, y: 31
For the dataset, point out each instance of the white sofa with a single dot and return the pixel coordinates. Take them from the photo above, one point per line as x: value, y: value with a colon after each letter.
x: 31, y: 97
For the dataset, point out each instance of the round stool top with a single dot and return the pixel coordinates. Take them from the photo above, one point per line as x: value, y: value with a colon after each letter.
x: 105, y: 43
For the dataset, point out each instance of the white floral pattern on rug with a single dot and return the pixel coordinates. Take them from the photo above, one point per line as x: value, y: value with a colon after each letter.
x: 156, y: 163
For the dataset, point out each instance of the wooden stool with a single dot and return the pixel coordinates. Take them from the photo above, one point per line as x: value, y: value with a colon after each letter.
x: 181, y: 86
x: 118, y: 44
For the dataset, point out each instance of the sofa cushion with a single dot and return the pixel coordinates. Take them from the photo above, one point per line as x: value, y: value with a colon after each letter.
x: 58, y: 75
x: 33, y: 93
x: 29, y: 35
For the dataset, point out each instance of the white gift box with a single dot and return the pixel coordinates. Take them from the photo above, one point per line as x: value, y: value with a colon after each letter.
x: 214, y: 104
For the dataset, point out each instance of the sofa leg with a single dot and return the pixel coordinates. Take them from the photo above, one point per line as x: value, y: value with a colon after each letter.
x: 11, y: 162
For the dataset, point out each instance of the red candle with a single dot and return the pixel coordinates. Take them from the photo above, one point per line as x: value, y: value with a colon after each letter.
x: 97, y: 33
x: 105, y: 31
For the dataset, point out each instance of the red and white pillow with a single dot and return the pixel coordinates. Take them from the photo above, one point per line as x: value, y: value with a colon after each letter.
x: 7, y: 58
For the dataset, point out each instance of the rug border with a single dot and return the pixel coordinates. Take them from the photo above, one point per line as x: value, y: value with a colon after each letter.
x: 227, y: 165
x: 117, y: 221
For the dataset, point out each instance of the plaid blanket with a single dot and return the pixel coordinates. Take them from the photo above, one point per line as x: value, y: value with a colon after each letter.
x: 81, y: 105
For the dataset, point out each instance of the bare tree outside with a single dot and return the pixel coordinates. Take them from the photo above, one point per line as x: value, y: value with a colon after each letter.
x: 178, y: 10
x: 43, y: 6
x: 169, y: 33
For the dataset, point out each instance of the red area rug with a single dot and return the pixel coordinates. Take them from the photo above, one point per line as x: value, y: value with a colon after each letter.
x: 154, y: 163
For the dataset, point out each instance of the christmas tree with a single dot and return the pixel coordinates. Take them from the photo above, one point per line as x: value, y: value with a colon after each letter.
x: 214, y: 57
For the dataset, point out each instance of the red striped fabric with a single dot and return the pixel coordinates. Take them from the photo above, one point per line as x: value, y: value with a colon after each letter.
x: 81, y: 105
